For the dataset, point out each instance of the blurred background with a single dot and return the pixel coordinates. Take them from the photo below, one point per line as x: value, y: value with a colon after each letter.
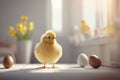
x: 82, y: 26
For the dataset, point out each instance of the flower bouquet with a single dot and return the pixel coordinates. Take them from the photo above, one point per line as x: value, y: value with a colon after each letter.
x: 23, y: 31
x: 23, y: 34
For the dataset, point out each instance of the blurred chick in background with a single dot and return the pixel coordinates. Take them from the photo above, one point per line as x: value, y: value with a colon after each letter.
x: 48, y: 50
x: 86, y: 28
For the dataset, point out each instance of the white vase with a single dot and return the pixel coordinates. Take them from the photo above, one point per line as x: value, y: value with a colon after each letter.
x: 24, y: 49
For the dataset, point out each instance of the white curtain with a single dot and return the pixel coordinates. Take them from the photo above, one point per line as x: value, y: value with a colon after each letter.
x: 114, y: 30
x: 95, y: 12
x: 113, y: 17
x: 101, y: 13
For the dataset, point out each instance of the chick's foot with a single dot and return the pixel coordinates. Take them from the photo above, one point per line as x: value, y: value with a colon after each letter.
x: 44, y: 66
x: 53, y: 66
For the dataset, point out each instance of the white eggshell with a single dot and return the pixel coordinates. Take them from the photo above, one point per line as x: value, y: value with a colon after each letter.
x: 82, y: 60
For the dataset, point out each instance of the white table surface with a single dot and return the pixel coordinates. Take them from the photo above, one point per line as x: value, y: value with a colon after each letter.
x: 64, y: 72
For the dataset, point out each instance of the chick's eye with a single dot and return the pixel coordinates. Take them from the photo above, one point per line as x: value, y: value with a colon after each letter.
x: 49, y: 37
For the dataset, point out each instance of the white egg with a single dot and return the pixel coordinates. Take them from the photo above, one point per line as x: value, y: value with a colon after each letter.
x: 82, y: 60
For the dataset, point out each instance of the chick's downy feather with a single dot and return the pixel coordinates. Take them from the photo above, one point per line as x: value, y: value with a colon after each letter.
x: 48, y: 50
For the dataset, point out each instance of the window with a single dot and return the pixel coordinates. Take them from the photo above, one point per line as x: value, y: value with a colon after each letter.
x: 95, y: 12
x: 56, y: 15
x: 89, y: 12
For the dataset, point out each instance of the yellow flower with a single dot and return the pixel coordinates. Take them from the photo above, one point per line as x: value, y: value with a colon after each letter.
x: 24, y: 19
x: 24, y: 30
x: 12, y: 32
x: 11, y: 29
x: 19, y: 26
x: 14, y: 35
x: 31, y: 26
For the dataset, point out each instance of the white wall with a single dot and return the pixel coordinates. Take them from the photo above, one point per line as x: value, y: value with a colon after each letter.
x: 74, y: 18
x: 76, y: 12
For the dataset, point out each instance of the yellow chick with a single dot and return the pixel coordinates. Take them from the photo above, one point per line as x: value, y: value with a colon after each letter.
x: 48, y: 50
x: 85, y: 28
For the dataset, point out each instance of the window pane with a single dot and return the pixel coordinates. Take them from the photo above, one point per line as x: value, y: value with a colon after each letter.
x: 57, y: 15
x: 89, y: 12
x: 95, y: 12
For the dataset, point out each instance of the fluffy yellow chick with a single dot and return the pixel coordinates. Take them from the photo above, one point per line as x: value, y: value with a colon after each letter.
x: 48, y: 50
x: 85, y: 28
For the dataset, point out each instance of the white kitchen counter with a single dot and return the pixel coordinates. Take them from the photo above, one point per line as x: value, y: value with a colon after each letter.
x: 64, y: 72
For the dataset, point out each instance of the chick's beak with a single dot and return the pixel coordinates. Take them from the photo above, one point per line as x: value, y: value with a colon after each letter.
x: 54, y: 38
